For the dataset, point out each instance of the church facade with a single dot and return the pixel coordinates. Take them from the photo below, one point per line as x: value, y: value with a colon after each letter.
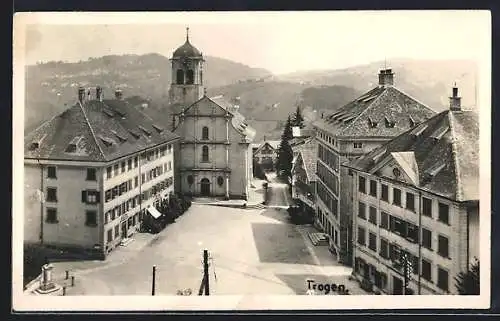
x: 214, y: 156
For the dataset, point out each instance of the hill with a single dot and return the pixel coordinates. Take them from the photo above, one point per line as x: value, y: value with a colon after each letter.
x: 49, y: 86
x: 429, y: 81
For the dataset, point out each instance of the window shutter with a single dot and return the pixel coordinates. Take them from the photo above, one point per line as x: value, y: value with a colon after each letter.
x: 84, y: 196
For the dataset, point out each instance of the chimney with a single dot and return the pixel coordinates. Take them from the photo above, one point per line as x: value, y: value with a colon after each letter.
x: 98, y: 93
x: 81, y: 94
x: 236, y: 103
x: 386, y: 77
x: 455, y: 100
x: 118, y: 94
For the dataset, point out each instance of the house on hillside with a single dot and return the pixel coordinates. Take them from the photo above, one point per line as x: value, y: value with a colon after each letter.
x: 355, y: 129
x: 417, y: 196
x: 93, y: 172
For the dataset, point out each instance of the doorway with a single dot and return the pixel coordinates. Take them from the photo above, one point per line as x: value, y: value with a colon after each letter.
x: 124, y: 230
x: 397, y: 286
x: 205, y: 187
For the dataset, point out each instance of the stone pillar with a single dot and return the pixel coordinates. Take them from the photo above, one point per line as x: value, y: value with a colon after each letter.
x: 46, y: 282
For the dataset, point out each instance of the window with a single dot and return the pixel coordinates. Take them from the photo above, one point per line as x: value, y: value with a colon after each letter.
x: 51, y: 216
x: 91, y: 174
x: 384, y: 220
x: 123, y: 167
x: 204, y: 154
x: 373, y: 188
x: 362, y: 184
x: 443, y: 213
x: 136, y: 181
x: 385, y: 193
x: 373, y: 215
x: 362, y: 210
x: 372, y: 242
x: 426, y: 272
x: 90, y: 197
x: 220, y: 180
x: 117, y: 231
x: 442, y: 281
x: 361, y: 236
x: 190, y: 180
x: 384, y: 248
x: 108, y: 196
x: 358, y: 145
x: 396, y: 196
x: 412, y: 232
x: 51, y: 194
x: 204, y: 133
x: 443, y: 246
x: 129, y: 164
x: 51, y: 172
x: 410, y: 202
x: 91, y: 218
x: 136, y: 162
x: 394, y: 252
x: 110, y: 235
x: 115, y: 170
x: 109, y: 172
x: 426, y: 207
x: 398, y: 226
x: 426, y: 238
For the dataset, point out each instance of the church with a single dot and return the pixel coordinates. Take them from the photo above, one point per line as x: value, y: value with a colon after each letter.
x: 214, y: 157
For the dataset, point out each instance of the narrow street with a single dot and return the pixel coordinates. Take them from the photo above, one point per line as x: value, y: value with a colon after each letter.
x: 253, y: 251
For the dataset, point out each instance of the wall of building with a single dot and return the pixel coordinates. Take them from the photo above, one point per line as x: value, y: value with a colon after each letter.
x: 32, y: 203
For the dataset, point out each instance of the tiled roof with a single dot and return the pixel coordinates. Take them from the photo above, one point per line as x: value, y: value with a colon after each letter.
x: 308, y: 152
x: 96, y: 131
x: 445, y: 149
x: 384, y: 111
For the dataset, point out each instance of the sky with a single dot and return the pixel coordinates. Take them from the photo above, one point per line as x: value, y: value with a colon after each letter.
x: 280, y: 42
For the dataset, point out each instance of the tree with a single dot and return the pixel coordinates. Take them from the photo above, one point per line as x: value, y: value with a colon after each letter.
x: 298, y: 119
x: 287, y: 132
x: 467, y: 283
x: 285, y: 158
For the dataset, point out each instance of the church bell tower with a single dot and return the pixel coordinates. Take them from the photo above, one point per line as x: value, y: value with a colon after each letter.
x: 187, y: 74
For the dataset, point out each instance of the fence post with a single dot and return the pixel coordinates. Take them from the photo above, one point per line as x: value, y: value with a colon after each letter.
x: 67, y: 274
x: 154, y: 280
x: 72, y: 280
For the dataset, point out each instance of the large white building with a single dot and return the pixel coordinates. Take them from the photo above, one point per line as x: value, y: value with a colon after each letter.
x: 92, y: 173
x: 419, y: 195
x: 353, y: 130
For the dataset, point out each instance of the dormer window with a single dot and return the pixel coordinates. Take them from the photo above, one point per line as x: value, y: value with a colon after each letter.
x: 413, y: 123
x: 120, y: 137
x: 371, y: 123
x: 135, y: 134
x: 73, y: 145
x: 358, y: 145
x: 439, y: 133
x: 108, y: 113
x: 147, y: 132
x: 158, y: 128
x: 107, y: 141
x: 389, y: 123
x: 36, y: 144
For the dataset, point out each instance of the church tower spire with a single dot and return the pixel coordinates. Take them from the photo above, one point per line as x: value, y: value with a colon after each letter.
x: 187, y: 74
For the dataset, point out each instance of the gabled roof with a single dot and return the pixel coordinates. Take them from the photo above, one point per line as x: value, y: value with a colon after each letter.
x: 384, y: 111
x: 274, y: 144
x: 446, y: 152
x: 308, y: 153
x: 96, y: 131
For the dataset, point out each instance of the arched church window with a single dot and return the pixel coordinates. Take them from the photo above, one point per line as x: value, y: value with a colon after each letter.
x: 180, y: 77
x: 204, y: 154
x: 189, y: 77
x: 190, y: 179
x: 204, y: 133
x: 220, y: 180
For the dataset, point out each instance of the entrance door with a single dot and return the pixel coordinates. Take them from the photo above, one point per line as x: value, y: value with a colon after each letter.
x: 397, y: 286
x: 124, y: 229
x: 205, y: 187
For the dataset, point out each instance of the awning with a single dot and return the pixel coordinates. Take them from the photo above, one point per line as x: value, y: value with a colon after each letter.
x: 154, y: 212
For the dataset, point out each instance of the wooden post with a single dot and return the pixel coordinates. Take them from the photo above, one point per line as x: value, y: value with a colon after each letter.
x: 72, y: 280
x: 67, y: 274
x: 154, y: 280
x: 205, y: 272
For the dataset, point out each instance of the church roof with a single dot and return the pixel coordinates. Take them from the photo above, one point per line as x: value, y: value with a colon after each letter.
x: 96, y: 131
x: 442, y: 155
x: 384, y: 111
x: 187, y: 50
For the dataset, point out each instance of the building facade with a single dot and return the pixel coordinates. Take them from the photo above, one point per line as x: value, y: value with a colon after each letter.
x: 352, y: 131
x: 304, y: 177
x: 266, y: 154
x: 93, y: 172
x: 215, y: 156
x: 418, y: 195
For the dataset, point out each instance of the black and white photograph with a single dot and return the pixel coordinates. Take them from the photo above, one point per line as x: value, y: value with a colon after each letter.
x: 251, y: 160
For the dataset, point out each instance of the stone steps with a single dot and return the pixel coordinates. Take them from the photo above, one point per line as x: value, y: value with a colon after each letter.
x: 318, y: 239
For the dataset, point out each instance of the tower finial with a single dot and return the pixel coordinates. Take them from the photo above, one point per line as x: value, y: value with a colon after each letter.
x: 187, y: 33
